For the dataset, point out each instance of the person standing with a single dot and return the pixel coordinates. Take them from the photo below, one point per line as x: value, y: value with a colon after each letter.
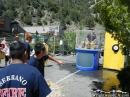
x: 7, y: 53
x: 16, y: 39
x: 61, y: 46
x: 90, y: 40
x: 20, y: 80
x: 47, y: 49
x: 28, y: 40
x: 40, y: 56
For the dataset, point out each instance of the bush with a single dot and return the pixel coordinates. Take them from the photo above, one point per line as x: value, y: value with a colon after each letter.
x: 69, y: 41
x: 124, y: 79
x: 39, y: 20
x: 45, y: 22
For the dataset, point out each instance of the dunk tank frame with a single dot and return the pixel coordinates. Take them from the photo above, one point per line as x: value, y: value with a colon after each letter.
x: 88, y: 59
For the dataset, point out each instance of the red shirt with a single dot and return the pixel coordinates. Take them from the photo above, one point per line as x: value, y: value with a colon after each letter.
x: 3, y: 45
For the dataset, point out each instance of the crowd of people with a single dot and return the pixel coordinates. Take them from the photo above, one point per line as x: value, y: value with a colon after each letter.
x: 24, y: 76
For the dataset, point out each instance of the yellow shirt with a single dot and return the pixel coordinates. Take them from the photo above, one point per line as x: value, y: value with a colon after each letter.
x: 47, y: 47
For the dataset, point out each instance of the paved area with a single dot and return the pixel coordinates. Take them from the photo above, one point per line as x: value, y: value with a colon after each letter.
x: 76, y: 83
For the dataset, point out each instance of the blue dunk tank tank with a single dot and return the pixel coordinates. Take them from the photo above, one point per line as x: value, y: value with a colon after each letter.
x: 87, y: 53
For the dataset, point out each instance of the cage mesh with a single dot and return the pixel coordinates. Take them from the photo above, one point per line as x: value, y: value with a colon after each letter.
x: 81, y: 38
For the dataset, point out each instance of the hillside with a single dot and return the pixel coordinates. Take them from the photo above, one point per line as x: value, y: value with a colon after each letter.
x: 72, y: 14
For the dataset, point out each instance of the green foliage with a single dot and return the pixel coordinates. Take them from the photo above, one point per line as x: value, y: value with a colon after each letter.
x: 115, y: 16
x: 35, y: 4
x: 68, y: 20
x: 43, y: 13
x: 89, y: 22
x: 70, y: 39
x: 74, y: 14
x: 22, y: 16
x: 64, y: 12
x: 124, y: 79
x: 45, y: 22
x: 80, y: 28
x: 62, y: 23
x: 51, y: 21
x: 52, y: 6
x: 28, y: 19
x: 53, y: 15
x: 39, y: 21
x: 70, y: 10
x: 39, y: 14
x: 10, y: 13
x: 1, y: 7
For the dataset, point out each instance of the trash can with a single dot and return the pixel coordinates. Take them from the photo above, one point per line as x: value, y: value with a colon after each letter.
x: 87, y: 59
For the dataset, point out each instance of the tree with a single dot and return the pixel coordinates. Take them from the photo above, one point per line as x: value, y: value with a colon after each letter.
x: 39, y: 12
x: 115, y: 16
x: 89, y: 22
x: 45, y: 22
x: 68, y: 20
x: 39, y: 21
x: 62, y: 23
x: 28, y: 20
x: 10, y: 13
x: 35, y: 4
x: 1, y: 7
x: 53, y: 6
x: 52, y: 15
x: 74, y: 15
x: 80, y: 28
x: 70, y: 10
x: 22, y: 16
x: 43, y: 13
x: 64, y: 12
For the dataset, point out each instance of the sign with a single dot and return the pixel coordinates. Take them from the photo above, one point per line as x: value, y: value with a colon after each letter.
x: 53, y: 28
x: 2, y: 23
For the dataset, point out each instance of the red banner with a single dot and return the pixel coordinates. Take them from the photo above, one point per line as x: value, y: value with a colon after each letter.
x: 2, y: 23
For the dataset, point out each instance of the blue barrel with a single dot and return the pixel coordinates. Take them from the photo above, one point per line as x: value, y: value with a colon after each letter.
x: 87, y: 59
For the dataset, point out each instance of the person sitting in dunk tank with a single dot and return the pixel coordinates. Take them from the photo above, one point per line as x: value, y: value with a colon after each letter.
x: 90, y: 40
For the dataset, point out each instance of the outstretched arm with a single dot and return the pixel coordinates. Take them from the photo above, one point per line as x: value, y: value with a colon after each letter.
x: 55, y: 60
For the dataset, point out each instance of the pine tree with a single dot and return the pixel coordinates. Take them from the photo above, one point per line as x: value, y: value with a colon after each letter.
x: 39, y: 21
x: 44, y: 22
x: 39, y: 12
x: 28, y: 20
x: 68, y: 20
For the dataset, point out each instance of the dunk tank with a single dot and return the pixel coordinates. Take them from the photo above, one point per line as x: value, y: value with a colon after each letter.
x: 87, y: 58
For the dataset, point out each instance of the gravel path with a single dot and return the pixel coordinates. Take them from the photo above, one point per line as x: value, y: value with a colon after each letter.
x: 56, y: 90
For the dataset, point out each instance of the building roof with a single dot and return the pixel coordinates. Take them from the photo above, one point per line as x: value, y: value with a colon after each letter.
x: 39, y: 29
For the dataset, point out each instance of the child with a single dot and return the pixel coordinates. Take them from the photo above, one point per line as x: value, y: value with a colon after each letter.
x: 40, y: 56
x: 7, y: 53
